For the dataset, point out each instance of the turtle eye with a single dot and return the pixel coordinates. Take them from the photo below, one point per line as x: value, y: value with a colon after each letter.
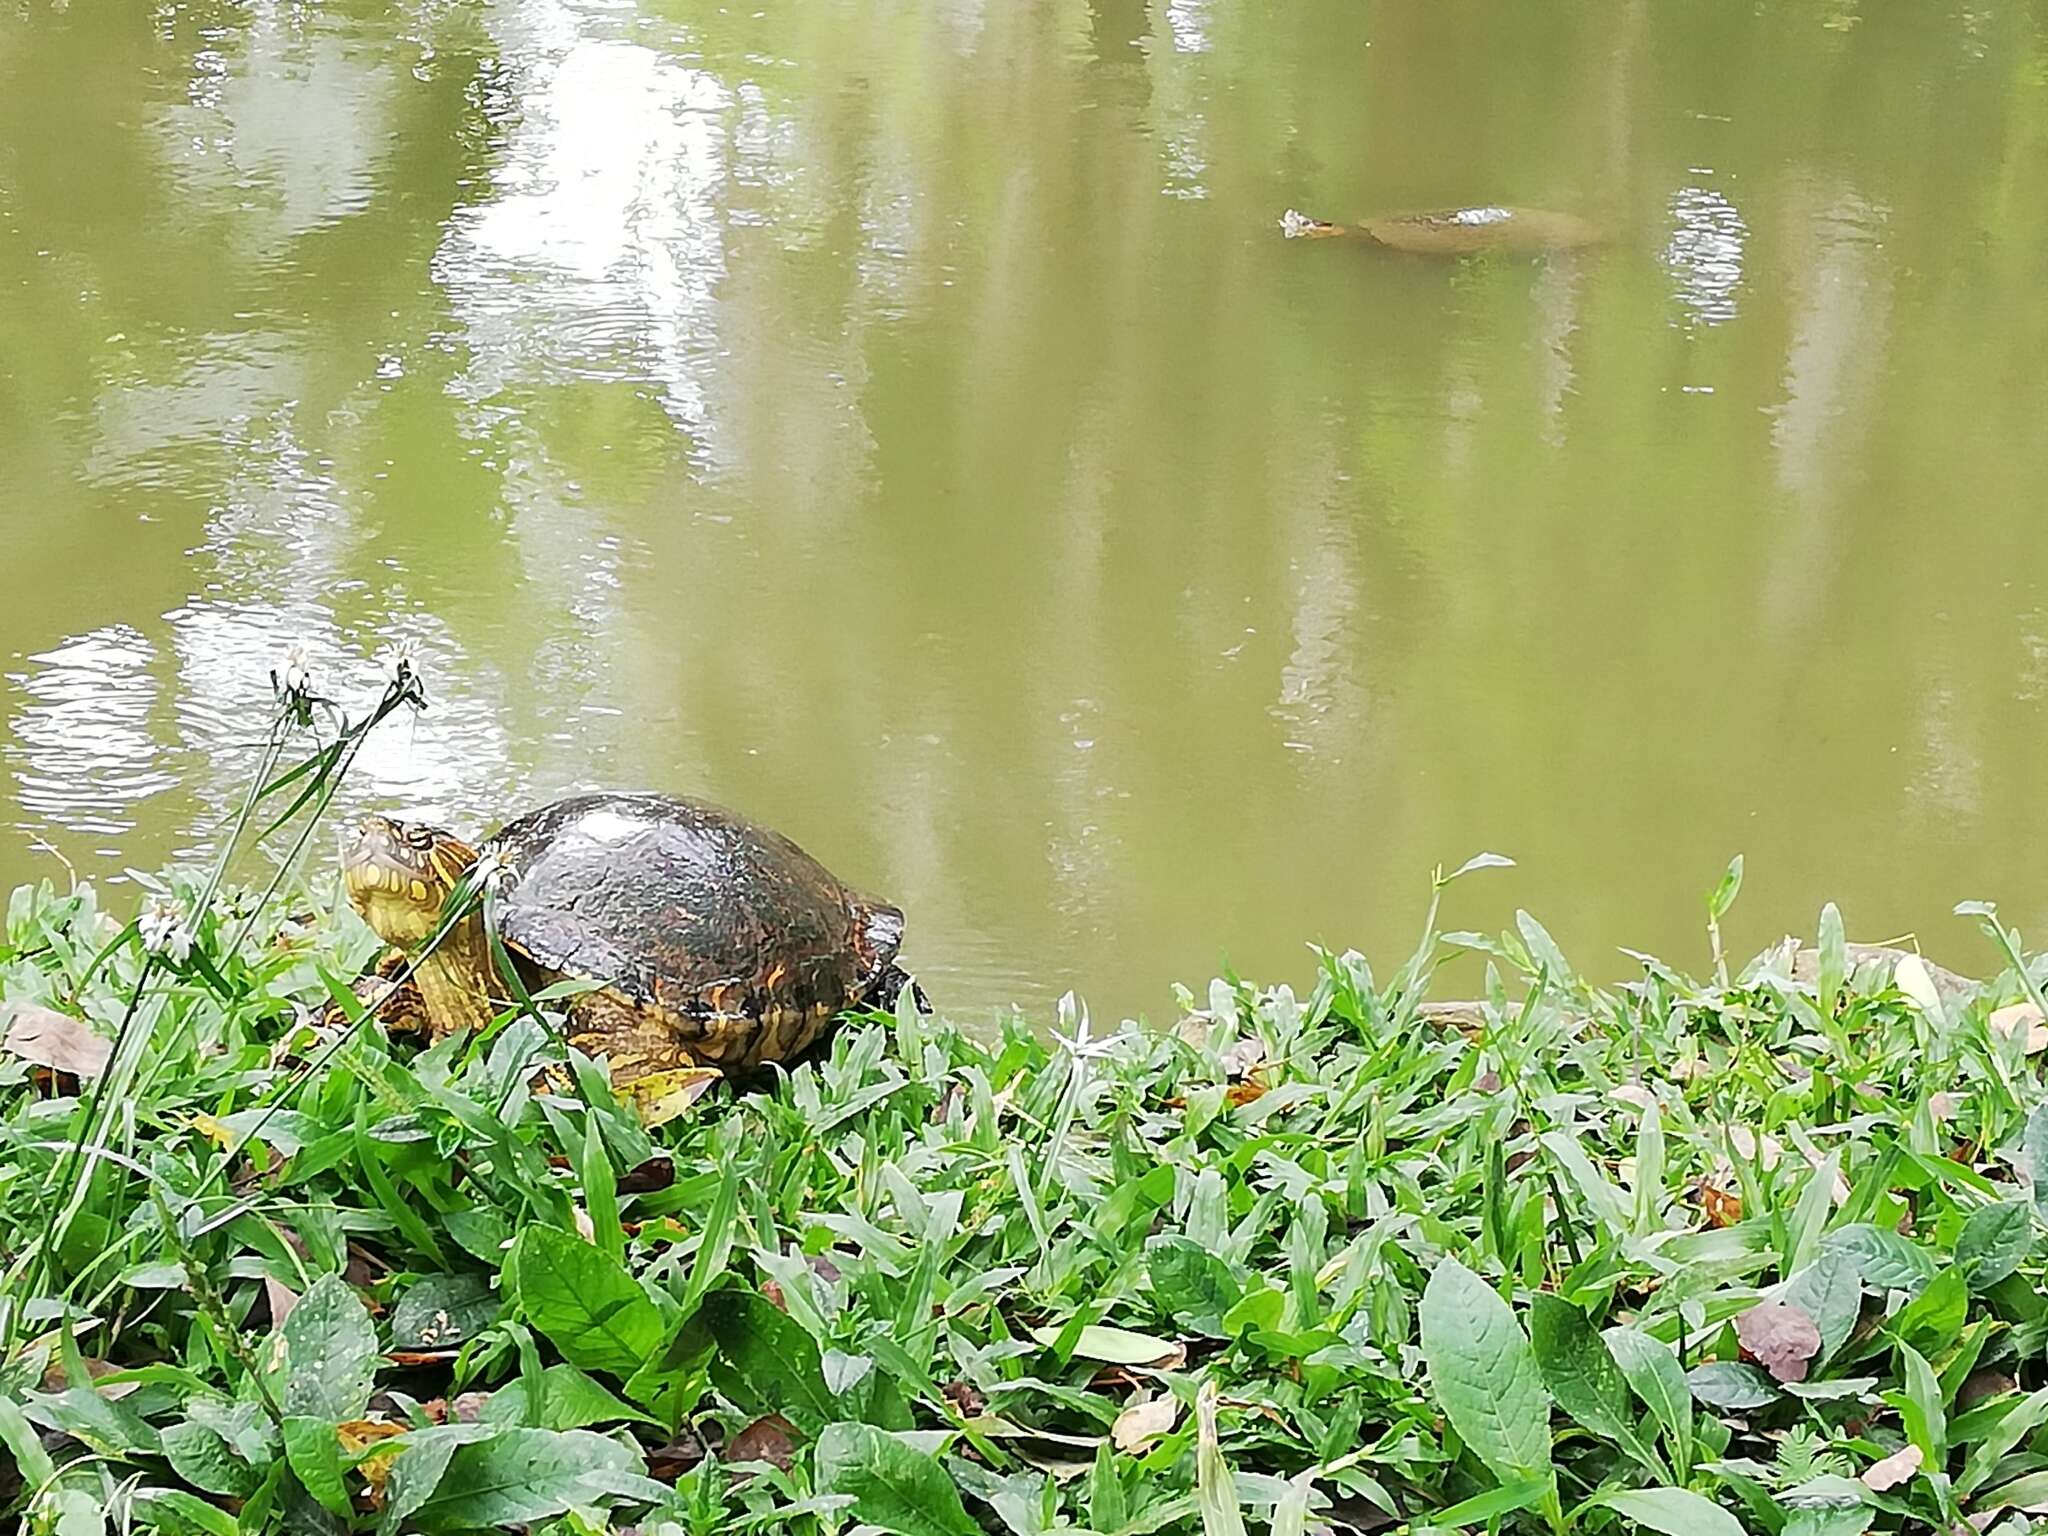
x: 419, y: 838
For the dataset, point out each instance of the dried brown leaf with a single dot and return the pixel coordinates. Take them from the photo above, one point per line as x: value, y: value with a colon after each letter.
x: 965, y: 1396
x: 2022, y: 1018
x: 55, y: 1040
x: 282, y: 1299
x: 771, y: 1438
x: 1782, y: 1337
x: 1893, y: 1470
x: 1144, y: 1422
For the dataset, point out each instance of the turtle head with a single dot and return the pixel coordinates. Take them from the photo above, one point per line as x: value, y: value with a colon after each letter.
x: 399, y: 875
x: 1296, y: 225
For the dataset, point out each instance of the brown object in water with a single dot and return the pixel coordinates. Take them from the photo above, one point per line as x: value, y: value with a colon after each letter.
x: 1456, y: 231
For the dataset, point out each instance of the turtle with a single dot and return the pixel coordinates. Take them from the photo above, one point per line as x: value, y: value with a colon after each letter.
x: 714, y: 943
x: 1455, y: 231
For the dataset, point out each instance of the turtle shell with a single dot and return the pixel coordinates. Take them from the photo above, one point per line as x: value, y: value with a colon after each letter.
x: 707, y: 930
x: 1469, y: 231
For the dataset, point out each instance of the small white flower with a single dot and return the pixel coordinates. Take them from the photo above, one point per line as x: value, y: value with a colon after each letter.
x: 163, y: 929
x: 401, y: 670
x: 397, y: 662
x: 492, y: 871
x: 294, y: 678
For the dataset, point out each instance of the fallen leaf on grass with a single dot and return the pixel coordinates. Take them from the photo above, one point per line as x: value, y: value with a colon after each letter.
x: 1113, y: 1346
x: 1723, y: 1208
x: 1893, y: 1470
x: 55, y: 1040
x: 54, y: 1379
x: 282, y: 1299
x: 1764, y: 1151
x: 358, y: 1435
x: 657, y: 1173
x: 1144, y: 1422
x: 667, y: 1463
x: 964, y: 1396
x: 771, y: 1438
x: 1782, y: 1337
x: 2022, y: 1019
x: 1984, y: 1385
x: 661, y: 1096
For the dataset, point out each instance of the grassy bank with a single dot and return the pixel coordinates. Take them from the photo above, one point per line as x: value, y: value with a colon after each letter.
x: 1756, y: 1251
x: 1759, y: 1252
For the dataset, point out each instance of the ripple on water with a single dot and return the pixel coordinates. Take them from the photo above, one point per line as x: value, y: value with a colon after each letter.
x: 1705, y: 254
x: 81, y: 751
x: 450, y: 763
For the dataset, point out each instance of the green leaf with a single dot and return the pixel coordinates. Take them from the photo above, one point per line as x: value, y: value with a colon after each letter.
x: 714, y: 1247
x: 1730, y: 1384
x: 31, y: 1460
x: 443, y: 1311
x: 1834, y: 958
x: 1649, y: 1175
x: 601, y: 1190
x: 313, y: 1451
x: 326, y: 1363
x: 1724, y: 893
x: 201, y: 1456
x: 1609, y: 1205
x: 1543, y: 948
x: 1484, y: 1374
x: 1993, y: 1241
x: 1931, y: 1321
x: 893, y: 1487
x: 1113, y: 1346
x: 1259, y: 1310
x: 422, y: 1461
x: 586, y: 1303
x: 173, y: 1512
x: 764, y: 1362
x: 1830, y: 1291
x: 2024, y: 1491
x: 521, y: 1475
x: 569, y: 1400
x: 106, y: 1425
x: 1190, y: 1284
x: 1920, y: 1410
x: 1504, y: 1500
x: 2034, y: 1147
x: 1887, y: 1260
x: 1577, y: 1368
x: 1809, y: 1219
x: 1215, y: 1483
x: 1655, y: 1376
x: 1673, y: 1511
x: 2020, y: 1421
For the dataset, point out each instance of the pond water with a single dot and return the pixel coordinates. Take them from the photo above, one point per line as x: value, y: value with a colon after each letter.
x: 907, y: 424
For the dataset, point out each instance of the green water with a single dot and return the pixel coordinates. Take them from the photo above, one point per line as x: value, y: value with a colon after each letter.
x: 908, y: 425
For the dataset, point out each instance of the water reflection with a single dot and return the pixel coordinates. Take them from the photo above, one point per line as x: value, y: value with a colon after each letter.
x: 83, y: 748
x: 599, y: 251
x: 917, y: 436
x: 1705, y: 254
